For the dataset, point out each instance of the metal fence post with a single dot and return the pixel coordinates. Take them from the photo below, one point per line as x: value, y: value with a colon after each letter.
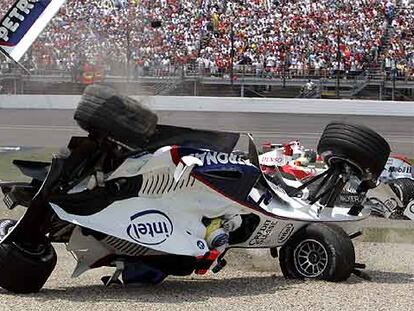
x: 394, y: 73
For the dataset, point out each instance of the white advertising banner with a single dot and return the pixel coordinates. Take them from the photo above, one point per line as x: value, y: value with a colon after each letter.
x: 23, y: 23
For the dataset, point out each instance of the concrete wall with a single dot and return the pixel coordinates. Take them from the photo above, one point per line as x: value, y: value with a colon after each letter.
x: 228, y: 104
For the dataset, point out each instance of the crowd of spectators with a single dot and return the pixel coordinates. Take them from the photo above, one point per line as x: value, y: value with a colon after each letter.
x: 117, y: 33
x: 268, y: 37
x: 297, y: 36
x: 400, y: 53
x: 120, y: 33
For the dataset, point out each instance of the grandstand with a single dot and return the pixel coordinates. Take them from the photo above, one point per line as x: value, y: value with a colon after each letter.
x: 358, y: 48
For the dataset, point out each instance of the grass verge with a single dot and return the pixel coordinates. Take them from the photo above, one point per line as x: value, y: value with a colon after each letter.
x: 9, y: 172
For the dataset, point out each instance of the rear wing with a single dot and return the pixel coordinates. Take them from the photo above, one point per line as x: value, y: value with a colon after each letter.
x: 23, y: 23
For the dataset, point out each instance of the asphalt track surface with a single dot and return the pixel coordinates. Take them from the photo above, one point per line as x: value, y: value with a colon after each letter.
x: 52, y: 128
x: 242, y: 285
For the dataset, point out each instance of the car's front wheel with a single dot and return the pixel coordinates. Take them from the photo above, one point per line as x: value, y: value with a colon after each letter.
x: 24, y: 268
x: 5, y: 226
x: 318, y: 251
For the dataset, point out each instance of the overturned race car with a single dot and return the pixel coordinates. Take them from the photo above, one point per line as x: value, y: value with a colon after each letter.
x: 153, y: 200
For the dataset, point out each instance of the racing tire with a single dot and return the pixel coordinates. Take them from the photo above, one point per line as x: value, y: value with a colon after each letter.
x: 105, y: 113
x: 318, y: 251
x: 404, y: 189
x: 24, y: 271
x: 361, y: 147
x: 5, y: 226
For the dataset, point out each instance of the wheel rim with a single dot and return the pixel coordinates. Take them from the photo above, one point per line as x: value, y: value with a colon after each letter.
x: 310, y: 258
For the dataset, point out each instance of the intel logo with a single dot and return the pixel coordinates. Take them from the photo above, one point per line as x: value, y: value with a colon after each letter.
x: 150, y: 227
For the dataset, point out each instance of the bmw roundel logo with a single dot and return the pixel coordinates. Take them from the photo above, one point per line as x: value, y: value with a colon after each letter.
x: 201, y: 244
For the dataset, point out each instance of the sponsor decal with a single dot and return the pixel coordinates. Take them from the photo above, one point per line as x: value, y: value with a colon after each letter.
x: 212, y: 158
x: 19, y: 19
x: 270, y: 159
x: 401, y: 169
x: 201, y: 244
x: 351, y: 198
x: 285, y: 233
x: 391, y: 204
x: 150, y: 227
x: 264, y: 232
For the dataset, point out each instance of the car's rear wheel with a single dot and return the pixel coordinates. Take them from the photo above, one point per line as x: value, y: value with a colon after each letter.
x: 362, y: 148
x: 318, y: 251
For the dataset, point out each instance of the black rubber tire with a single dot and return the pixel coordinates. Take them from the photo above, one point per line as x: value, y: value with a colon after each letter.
x: 404, y: 189
x: 338, y: 245
x: 358, y: 145
x: 25, y: 272
x: 103, y: 112
x: 5, y: 226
